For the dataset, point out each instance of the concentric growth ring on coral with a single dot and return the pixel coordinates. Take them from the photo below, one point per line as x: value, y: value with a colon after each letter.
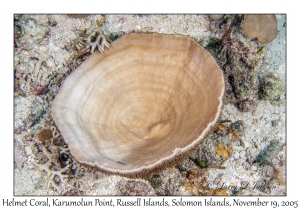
x: 142, y: 105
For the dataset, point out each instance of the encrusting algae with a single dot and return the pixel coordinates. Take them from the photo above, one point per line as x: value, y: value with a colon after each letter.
x: 223, y: 150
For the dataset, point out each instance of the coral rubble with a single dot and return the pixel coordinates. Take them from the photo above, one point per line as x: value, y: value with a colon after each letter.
x: 272, y: 88
x: 29, y: 31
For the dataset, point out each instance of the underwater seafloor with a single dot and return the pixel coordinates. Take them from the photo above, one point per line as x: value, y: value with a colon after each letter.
x: 245, y: 155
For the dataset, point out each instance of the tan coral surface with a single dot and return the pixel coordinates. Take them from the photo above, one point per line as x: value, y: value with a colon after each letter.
x: 262, y: 27
x: 146, y: 101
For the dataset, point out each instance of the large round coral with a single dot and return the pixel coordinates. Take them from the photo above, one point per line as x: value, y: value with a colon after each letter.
x: 262, y: 27
x: 142, y: 105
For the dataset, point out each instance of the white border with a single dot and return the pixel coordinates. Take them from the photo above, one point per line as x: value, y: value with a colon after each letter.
x: 156, y: 6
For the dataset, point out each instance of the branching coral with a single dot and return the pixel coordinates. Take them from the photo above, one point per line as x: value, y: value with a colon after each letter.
x: 52, y: 163
x: 51, y: 173
x: 40, y: 74
x: 85, y: 43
